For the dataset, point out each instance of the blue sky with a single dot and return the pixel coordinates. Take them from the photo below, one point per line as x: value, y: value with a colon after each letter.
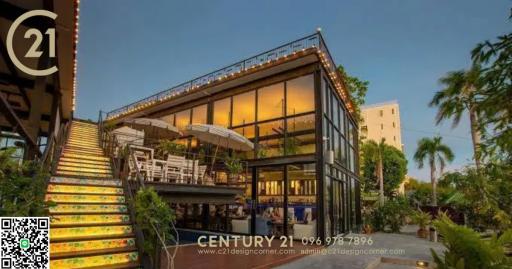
x: 131, y: 49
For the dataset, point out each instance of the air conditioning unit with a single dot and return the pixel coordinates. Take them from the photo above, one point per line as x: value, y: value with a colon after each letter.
x: 329, y: 157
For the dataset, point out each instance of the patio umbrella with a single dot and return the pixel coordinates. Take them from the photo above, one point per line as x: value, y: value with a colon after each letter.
x: 219, y: 136
x: 155, y: 128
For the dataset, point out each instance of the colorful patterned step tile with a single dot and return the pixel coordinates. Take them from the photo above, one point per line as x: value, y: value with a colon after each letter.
x: 80, y: 169
x: 75, y: 160
x: 89, y: 219
x: 84, y: 198
x: 86, y: 181
x: 80, y: 208
x: 82, y: 174
x: 101, y: 260
x: 96, y: 148
x: 91, y: 145
x: 80, y: 156
x: 66, y: 247
x: 86, y: 165
x: 84, y: 189
x: 85, y: 232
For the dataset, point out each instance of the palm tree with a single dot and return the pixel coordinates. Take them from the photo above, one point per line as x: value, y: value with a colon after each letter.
x: 457, y: 97
x: 435, y: 152
x: 374, y: 152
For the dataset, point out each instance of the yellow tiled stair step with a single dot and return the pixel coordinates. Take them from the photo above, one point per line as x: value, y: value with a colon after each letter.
x: 91, y: 231
x: 80, y: 208
x: 87, y: 181
x: 96, y: 149
x: 98, y: 261
x: 90, y: 219
x: 84, y: 133
x: 88, y: 138
x: 80, y: 143
x: 70, y: 159
x: 84, y: 198
x: 83, y: 189
x: 84, y: 153
x: 81, y: 156
x: 83, y: 145
x: 82, y: 174
x: 85, y: 165
x: 84, y: 169
x: 66, y: 247
x: 87, y: 151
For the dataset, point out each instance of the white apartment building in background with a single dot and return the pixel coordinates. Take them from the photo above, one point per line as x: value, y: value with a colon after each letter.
x: 382, y: 120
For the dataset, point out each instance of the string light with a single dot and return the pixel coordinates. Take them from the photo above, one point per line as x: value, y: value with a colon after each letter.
x: 327, y: 63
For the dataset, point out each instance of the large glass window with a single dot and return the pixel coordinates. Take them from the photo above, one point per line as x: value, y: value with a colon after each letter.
x: 199, y: 114
x: 169, y: 119
x: 244, y: 108
x: 300, y: 144
x: 247, y: 131
x: 302, y: 210
x: 222, y: 112
x: 300, y: 95
x: 301, y: 123
x: 183, y: 119
x: 270, y: 207
x: 271, y: 139
x: 271, y: 102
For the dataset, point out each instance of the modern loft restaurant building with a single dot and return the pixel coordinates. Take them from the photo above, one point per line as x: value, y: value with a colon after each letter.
x: 292, y: 103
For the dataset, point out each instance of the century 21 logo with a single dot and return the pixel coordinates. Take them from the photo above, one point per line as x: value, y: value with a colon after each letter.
x: 34, y: 51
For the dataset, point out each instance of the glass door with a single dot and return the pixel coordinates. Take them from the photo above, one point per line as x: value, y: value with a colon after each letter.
x: 270, y: 208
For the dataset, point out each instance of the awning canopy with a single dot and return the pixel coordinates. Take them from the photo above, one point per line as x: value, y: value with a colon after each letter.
x: 219, y: 136
x: 154, y: 128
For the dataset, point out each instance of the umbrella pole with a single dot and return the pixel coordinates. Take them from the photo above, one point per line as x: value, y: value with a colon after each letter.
x: 213, y: 160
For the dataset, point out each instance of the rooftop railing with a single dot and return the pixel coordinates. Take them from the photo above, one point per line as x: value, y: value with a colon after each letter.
x: 309, y: 42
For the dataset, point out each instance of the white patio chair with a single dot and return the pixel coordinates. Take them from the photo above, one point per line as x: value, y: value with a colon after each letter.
x: 201, y: 171
x: 190, y: 169
x: 143, y: 160
x: 174, y: 168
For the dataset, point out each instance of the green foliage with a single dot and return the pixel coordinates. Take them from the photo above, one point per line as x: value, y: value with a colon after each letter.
x: 391, y: 216
x: 233, y: 164
x: 421, y: 218
x: 357, y: 89
x: 394, y: 168
x: 151, y: 210
x: 483, y: 195
x: 495, y: 95
x: 21, y: 187
x: 466, y: 250
x: 166, y: 146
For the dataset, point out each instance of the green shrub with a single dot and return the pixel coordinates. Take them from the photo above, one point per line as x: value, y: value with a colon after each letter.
x: 466, y: 249
x: 421, y: 218
x: 391, y: 216
x: 151, y: 211
x: 22, y: 187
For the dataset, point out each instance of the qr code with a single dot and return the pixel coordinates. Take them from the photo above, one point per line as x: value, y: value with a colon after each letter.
x: 24, y: 243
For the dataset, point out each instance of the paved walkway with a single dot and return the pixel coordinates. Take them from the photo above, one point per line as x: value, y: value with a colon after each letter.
x: 400, y: 246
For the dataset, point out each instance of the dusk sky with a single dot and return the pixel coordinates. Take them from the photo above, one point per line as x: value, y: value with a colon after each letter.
x: 131, y: 49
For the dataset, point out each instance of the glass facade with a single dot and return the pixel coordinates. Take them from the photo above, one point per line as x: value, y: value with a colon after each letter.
x: 341, y: 191
x: 280, y: 119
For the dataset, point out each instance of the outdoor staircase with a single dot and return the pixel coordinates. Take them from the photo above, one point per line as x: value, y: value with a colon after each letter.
x: 90, y: 225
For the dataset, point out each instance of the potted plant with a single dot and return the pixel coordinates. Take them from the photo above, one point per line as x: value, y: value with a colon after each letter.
x: 166, y: 146
x: 234, y: 167
x: 422, y: 219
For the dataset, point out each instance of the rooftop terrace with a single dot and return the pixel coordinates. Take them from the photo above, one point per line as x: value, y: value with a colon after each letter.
x: 312, y: 43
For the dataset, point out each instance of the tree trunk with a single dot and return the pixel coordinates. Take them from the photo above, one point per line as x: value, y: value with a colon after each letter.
x: 433, y: 181
x: 475, y: 136
x: 381, y: 181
